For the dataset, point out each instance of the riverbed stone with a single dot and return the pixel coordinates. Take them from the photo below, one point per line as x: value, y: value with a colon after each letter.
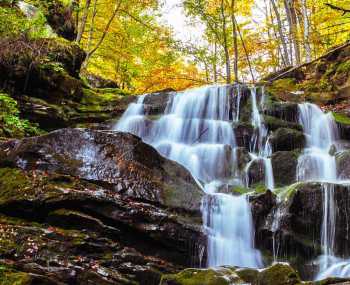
x: 284, y: 139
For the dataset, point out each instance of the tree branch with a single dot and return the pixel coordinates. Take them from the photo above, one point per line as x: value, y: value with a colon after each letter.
x: 338, y: 8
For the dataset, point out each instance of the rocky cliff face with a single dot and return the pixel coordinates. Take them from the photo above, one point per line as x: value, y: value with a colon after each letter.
x: 81, y: 205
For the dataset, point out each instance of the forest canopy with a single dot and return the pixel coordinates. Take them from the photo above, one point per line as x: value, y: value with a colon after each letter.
x: 132, y: 43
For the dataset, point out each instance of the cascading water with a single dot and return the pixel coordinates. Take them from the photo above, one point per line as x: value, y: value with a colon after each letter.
x: 196, y: 131
x: 317, y: 164
x: 260, y: 148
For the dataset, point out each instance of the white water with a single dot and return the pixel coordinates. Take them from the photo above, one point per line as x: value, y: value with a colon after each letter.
x: 260, y: 147
x: 197, y: 132
x: 317, y: 164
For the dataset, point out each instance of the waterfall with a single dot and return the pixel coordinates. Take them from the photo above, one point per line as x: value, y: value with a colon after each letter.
x: 317, y: 164
x: 196, y: 130
x: 260, y: 147
x: 320, y: 129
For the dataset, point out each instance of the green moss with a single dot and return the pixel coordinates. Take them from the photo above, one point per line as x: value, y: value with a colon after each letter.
x: 274, y: 123
x: 279, y: 274
x: 8, y: 276
x: 259, y: 188
x: 241, y: 190
x: 14, y: 184
x: 279, y: 89
x: 341, y: 118
x: 285, y: 193
x: 343, y: 67
x: 11, y: 125
x: 223, y: 276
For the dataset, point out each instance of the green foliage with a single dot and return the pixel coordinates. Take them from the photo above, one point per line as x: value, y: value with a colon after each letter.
x: 10, y: 277
x: 14, y: 23
x: 10, y: 123
x: 341, y: 118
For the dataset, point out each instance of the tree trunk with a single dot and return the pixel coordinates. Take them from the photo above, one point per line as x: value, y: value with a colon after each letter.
x: 280, y: 31
x: 306, y: 31
x: 104, y: 33
x: 227, y: 54
x: 245, y: 50
x: 215, y: 62
x: 235, y: 42
x: 92, y: 26
x: 82, y: 25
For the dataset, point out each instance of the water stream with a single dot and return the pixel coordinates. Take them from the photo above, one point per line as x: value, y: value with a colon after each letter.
x: 318, y: 164
x: 197, y: 131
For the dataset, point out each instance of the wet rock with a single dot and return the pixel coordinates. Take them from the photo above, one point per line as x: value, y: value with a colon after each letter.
x: 219, y: 276
x: 243, y: 133
x: 243, y: 157
x: 284, y: 165
x: 256, y: 172
x: 343, y: 164
x: 261, y: 205
x: 283, y: 110
x: 284, y: 139
x: 155, y: 103
x: 273, y: 123
x: 298, y: 232
x: 278, y: 274
x: 112, y: 158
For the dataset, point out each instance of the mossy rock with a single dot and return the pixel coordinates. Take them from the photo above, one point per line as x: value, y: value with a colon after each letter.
x: 286, y: 111
x: 284, y: 165
x: 283, y: 90
x: 9, y: 276
x: 273, y: 123
x: 279, y: 274
x: 220, y: 276
x: 284, y: 139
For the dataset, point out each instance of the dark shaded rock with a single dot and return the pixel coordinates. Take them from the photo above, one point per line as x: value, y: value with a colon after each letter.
x: 284, y: 165
x: 343, y: 164
x: 277, y: 274
x: 243, y: 133
x: 284, y: 111
x: 287, y: 139
x: 243, y: 157
x: 299, y: 214
x: 111, y: 158
x: 60, y: 18
x: 256, y: 172
x: 95, y: 210
x: 273, y: 123
x: 261, y: 205
x: 155, y: 103
x: 46, y: 68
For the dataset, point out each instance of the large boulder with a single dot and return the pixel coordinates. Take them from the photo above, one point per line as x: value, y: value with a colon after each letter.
x: 91, y: 196
x: 284, y: 165
x: 112, y: 158
x: 284, y: 139
x: 243, y: 134
x: 155, y: 103
x: 43, y: 76
x: 293, y: 226
x: 283, y: 110
x: 277, y: 274
x: 273, y: 123
x: 256, y: 171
